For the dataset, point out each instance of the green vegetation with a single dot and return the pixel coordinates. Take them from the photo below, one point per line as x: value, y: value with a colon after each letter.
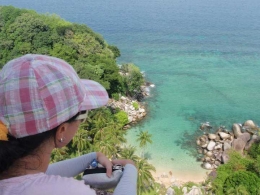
x: 133, y: 79
x: 122, y: 118
x: 115, y: 96
x: 144, y: 138
x: 240, y: 175
x: 135, y: 105
x: 245, y: 180
x: 25, y: 31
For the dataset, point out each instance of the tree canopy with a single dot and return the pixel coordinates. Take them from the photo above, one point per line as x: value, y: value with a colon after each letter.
x: 25, y: 31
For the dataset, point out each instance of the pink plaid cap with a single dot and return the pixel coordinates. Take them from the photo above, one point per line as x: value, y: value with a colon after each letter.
x: 38, y: 93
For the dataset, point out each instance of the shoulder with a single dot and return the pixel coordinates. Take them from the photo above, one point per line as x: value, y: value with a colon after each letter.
x: 42, y: 184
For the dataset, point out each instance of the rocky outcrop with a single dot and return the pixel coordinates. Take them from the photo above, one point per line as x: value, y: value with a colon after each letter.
x: 170, y: 191
x: 134, y: 113
x: 214, y: 146
x: 195, y: 190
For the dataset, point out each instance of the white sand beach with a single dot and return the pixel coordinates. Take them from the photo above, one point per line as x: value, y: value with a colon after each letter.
x: 170, y: 177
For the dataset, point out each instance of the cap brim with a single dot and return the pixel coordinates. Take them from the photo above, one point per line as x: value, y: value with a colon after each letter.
x: 95, y: 95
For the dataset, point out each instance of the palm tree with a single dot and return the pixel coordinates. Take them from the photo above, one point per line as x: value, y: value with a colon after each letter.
x: 143, y: 138
x: 59, y: 154
x: 105, y: 146
x: 145, y: 178
x: 116, y: 133
x: 129, y: 153
x: 81, y: 142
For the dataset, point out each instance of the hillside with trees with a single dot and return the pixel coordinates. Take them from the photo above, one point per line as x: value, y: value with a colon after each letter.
x: 25, y: 31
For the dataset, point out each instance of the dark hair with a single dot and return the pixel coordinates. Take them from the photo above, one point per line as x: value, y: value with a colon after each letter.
x: 16, y: 148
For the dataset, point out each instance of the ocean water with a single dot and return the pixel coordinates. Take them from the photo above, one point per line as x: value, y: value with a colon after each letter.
x: 202, y: 55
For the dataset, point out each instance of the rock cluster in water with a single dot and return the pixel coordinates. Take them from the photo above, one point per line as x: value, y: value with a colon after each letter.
x: 126, y: 104
x: 213, y: 147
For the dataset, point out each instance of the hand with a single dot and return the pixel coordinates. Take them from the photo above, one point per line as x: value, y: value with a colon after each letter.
x: 123, y: 162
x: 105, y: 162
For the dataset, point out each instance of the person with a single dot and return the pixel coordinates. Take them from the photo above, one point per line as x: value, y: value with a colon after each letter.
x: 42, y: 103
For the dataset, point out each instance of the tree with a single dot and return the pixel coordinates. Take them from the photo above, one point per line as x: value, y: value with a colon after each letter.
x: 122, y: 117
x: 145, y: 179
x: 247, y: 180
x: 115, y: 51
x: 144, y: 138
x: 133, y: 79
x: 25, y: 31
x: 81, y: 142
x: 129, y: 153
x: 238, y: 190
x: 229, y: 173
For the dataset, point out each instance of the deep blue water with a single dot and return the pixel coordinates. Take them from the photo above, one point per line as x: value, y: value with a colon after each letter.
x: 202, y: 55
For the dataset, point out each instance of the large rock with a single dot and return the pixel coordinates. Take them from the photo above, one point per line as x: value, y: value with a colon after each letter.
x: 226, y: 146
x: 237, y: 130
x: 207, y: 165
x: 204, y: 138
x: 211, y: 145
x: 250, y: 124
x: 218, y: 156
x: 212, y: 136
x: 224, y: 157
x: 195, y: 191
x: 217, y: 163
x: 185, y: 190
x: 204, y: 145
x: 209, y: 154
x: 207, y: 159
x: 218, y: 146
x: 254, y: 139
x: 198, y: 142
x: 170, y: 191
x: 217, y: 138
x: 213, y: 174
x: 239, y: 145
x: 224, y: 135
x: 245, y: 136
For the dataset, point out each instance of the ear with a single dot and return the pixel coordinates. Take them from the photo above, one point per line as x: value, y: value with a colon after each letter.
x: 60, y: 135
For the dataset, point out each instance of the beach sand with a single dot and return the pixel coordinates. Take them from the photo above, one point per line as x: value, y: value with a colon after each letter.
x: 170, y: 177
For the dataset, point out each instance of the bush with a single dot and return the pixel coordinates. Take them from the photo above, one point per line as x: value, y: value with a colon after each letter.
x: 257, y: 165
x: 115, y: 96
x: 254, y: 150
x: 248, y: 180
x: 133, y: 79
x: 135, y: 105
x: 236, y: 163
x: 122, y: 117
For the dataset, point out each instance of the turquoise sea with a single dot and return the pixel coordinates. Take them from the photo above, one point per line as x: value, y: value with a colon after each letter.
x: 202, y: 55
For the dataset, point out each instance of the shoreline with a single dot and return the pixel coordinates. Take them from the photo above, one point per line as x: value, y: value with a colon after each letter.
x: 169, y: 177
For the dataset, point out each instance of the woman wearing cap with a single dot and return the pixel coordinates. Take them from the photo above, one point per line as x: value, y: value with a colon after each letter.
x: 42, y: 103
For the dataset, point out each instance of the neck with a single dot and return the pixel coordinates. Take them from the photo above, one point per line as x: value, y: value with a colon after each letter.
x: 37, y: 162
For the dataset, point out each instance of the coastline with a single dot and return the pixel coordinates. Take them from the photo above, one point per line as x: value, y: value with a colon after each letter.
x: 169, y: 178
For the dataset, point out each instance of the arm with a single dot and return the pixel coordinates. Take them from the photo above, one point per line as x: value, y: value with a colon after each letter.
x: 71, y: 167
x: 128, y: 181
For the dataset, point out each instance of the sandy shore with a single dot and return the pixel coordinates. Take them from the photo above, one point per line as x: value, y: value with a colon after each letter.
x: 170, y: 177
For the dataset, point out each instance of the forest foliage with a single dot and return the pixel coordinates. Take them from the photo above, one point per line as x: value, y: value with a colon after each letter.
x: 25, y: 31
x: 240, y: 175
